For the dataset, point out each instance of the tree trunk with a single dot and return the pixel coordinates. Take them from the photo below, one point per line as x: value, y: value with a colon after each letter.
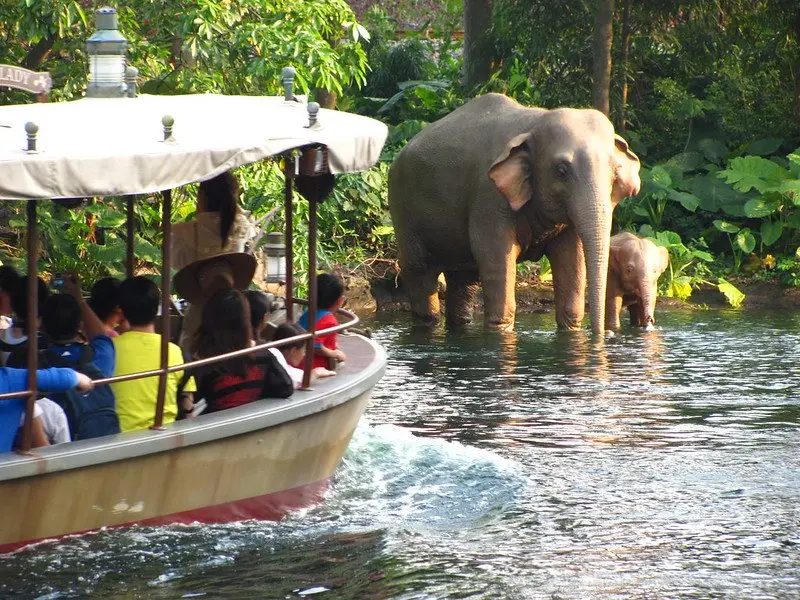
x: 325, y: 98
x: 477, y: 49
x: 623, y: 62
x: 797, y: 69
x: 603, y: 33
x: 38, y: 53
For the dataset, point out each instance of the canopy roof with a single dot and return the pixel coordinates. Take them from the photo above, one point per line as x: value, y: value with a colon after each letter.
x: 114, y: 146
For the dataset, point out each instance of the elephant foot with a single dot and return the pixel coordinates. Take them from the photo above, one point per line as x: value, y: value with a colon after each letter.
x: 428, y: 320
x: 498, y: 325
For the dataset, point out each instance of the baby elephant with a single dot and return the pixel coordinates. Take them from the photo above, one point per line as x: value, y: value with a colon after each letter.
x: 634, y: 266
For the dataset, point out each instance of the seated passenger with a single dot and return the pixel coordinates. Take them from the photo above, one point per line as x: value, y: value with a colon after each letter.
x: 93, y: 415
x: 13, y: 341
x: 139, y: 349
x: 295, y: 354
x: 12, y: 411
x: 225, y: 327
x: 8, y: 279
x: 104, y: 300
x: 54, y: 421
x: 259, y: 313
x: 330, y: 298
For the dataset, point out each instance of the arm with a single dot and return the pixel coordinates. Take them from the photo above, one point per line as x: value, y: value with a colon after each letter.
x: 92, y: 325
x: 39, y: 436
x: 55, y: 379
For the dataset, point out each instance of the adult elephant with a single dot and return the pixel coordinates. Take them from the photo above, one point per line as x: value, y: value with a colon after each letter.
x: 494, y: 183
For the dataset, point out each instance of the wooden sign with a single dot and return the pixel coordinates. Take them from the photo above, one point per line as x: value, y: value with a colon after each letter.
x: 23, y: 79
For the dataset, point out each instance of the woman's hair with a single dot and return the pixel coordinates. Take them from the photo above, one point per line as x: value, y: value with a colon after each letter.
x: 259, y: 307
x: 221, y: 194
x: 225, y: 327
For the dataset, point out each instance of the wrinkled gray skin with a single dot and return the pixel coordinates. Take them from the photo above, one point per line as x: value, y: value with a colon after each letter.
x: 495, y: 183
x: 634, y: 267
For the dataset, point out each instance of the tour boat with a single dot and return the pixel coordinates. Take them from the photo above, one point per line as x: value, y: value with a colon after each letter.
x: 256, y: 461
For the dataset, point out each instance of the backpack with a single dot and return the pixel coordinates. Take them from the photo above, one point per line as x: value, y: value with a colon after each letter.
x: 89, y: 414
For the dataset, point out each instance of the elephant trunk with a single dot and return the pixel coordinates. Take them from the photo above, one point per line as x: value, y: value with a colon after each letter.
x: 594, y: 228
x: 647, y: 312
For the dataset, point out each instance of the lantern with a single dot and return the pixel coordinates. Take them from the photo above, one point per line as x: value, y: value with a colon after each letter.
x: 106, y: 49
x: 275, y: 252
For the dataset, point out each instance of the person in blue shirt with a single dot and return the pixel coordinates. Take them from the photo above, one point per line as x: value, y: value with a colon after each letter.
x: 63, y: 315
x: 11, y: 411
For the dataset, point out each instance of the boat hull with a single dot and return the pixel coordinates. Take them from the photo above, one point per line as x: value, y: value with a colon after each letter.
x: 248, y: 462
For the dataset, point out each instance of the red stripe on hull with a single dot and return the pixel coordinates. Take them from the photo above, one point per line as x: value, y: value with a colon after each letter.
x: 270, y: 507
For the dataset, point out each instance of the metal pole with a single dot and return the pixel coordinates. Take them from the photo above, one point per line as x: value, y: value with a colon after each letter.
x: 166, y: 284
x: 289, y: 236
x: 312, y: 287
x: 31, y: 319
x: 129, y: 232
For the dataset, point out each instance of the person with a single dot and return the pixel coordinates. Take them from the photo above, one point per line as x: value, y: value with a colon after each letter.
x: 259, y: 313
x: 210, y: 252
x: 8, y: 279
x: 54, y: 421
x: 330, y: 297
x: 294, y: 354
x: 225, y: 327
x: 104, y: 301
x: 12, y: 412
x: 63, y: 317
x: 139, y: 349
x: 13, y: 341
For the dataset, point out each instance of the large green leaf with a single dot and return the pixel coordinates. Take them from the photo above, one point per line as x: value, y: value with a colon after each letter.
x: 714, y: 195
x: 689, y: 201
x: 753, y: 172
x: 764, y: 147
x: 686, y: 161
x: 732, y: 294
x: 660, y: 176
x: 760, y: 207
x: 726, y: 226
x: 713, y: 150
x: 771, y: 232
x: 746, y: 240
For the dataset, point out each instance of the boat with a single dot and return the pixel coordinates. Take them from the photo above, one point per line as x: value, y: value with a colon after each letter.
x: 257, y: 461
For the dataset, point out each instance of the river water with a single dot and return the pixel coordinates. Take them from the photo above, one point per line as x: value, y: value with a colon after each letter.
x: 537, y: 464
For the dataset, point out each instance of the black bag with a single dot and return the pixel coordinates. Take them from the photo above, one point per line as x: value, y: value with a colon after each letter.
x: 91, y: 414
x: 277, y: 382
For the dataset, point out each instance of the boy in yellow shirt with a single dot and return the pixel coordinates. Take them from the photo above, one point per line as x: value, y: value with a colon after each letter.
x: 139, y: 349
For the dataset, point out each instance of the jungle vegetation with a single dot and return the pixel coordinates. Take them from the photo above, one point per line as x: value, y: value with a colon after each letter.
x: 707, y: 93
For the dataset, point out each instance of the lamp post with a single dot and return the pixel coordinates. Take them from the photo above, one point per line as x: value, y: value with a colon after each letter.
x: 106, y: 49
x: 275, y: 252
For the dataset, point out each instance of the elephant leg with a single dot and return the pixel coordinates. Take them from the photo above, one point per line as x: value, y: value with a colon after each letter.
x: 613, y: 310
x: 423, y: 291
x: 569, y: 279
x: 462, y: 286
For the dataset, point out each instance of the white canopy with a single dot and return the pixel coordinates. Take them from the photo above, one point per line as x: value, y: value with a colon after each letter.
x: 114, y: 146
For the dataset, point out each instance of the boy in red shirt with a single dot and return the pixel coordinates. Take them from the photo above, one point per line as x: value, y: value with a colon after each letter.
x: 330, y: 296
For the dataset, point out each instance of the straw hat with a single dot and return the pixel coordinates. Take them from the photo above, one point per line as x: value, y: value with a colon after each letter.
x: 237, y: 267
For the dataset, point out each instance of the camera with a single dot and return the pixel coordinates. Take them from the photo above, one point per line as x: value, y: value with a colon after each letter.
x: 58, y: 282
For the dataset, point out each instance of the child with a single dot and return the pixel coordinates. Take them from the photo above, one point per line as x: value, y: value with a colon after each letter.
x: 104, y: 300
x: 293, y: 354
x: 330, y: 296
x: 139, y: 349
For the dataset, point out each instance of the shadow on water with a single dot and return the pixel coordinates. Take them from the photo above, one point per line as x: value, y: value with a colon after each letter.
x: 522, y: 465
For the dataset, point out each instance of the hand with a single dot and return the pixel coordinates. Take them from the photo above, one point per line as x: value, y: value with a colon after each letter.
x: 72, y: 285
x: 339, y: 355
x: 85, y: 383
x: 319, y: 372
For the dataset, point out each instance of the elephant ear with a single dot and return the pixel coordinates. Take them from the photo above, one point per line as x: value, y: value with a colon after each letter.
x: 615, y: 260
x: 627, y: 181
x: 511, y: 172
x: 663, y: 259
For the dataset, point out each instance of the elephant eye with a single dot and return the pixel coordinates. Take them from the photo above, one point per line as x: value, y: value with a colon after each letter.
x: 562, y: 170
